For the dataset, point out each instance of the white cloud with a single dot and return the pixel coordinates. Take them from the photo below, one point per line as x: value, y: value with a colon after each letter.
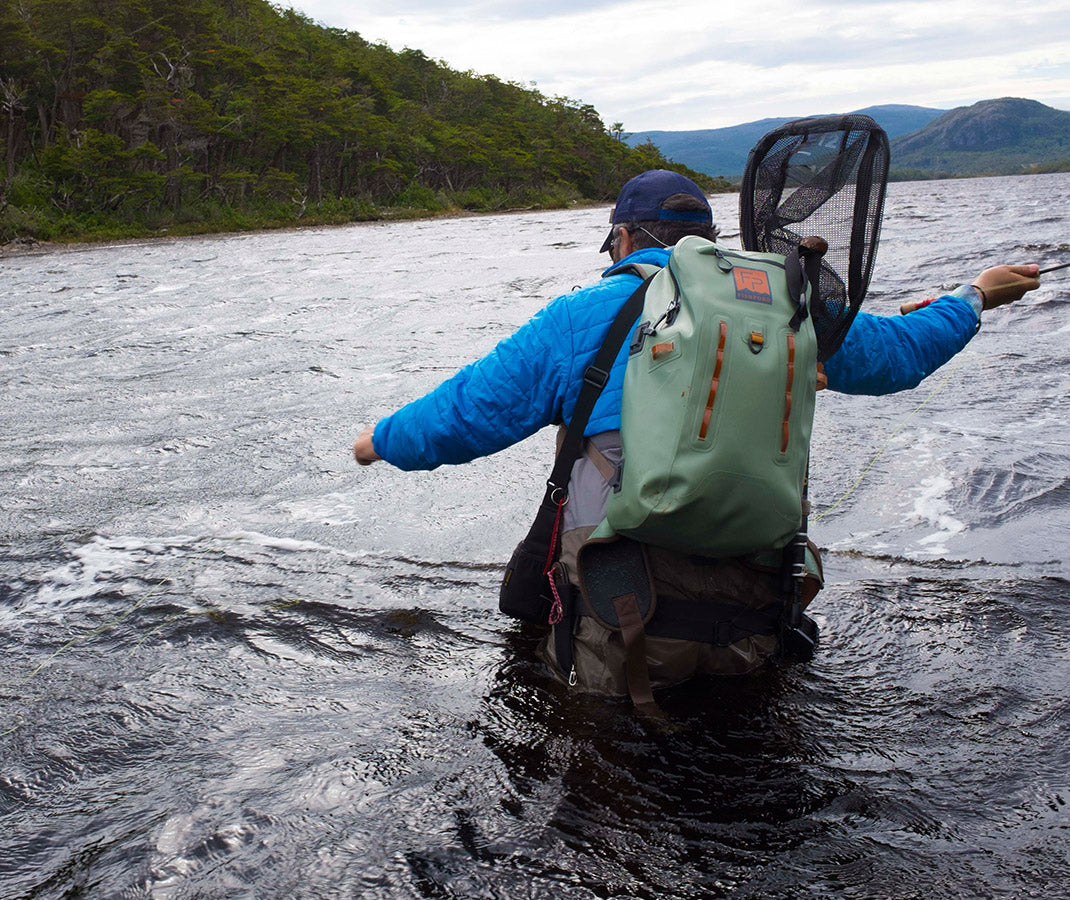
x: 700, y: 64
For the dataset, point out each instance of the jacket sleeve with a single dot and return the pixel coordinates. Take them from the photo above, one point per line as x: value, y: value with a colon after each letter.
x: 885, y: 354
x: 490, y: 404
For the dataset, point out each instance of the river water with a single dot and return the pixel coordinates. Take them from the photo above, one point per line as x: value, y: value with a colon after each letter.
x: 236, y: 665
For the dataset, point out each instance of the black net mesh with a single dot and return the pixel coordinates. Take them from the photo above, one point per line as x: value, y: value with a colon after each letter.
x: 823, y: 176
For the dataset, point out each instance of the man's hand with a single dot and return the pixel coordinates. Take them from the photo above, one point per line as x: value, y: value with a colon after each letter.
x: 1005, y: 284
x: 363, y: 451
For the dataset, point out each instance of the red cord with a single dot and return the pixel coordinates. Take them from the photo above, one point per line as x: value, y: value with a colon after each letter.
x: 557, y: 609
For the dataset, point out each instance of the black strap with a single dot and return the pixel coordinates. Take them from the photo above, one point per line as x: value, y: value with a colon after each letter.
x: 720, y: 624
x: 793, y: 274
x: 812, y: 261
x: 594, y: 380
x: 796, y: 643
x: 795, y: 261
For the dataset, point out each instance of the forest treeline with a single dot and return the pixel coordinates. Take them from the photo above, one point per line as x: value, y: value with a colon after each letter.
x: 125, y: 117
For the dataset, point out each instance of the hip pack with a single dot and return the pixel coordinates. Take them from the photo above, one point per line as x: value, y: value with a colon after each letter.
x: 718, y: 405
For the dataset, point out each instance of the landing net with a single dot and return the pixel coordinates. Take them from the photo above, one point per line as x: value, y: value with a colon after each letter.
x: 823, y: 176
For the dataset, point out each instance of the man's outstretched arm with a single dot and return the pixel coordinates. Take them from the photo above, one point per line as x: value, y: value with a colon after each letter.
x: 884, y: 354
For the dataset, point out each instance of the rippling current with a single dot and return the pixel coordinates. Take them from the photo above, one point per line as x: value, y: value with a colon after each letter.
x: 236, y: 665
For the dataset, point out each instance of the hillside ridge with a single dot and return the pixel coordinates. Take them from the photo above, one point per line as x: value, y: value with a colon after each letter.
x: 1002, y: 136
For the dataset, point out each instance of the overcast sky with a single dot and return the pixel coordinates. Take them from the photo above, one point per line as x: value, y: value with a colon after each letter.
x: 683, y: 64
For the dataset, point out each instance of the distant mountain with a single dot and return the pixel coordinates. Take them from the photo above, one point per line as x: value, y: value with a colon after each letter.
x: 720, y: 150
x: 993, y: 137
x: 898, y: 118
x: 724, y: 151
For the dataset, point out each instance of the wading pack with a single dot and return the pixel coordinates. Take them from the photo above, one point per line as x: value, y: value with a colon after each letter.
x: 718, y: 405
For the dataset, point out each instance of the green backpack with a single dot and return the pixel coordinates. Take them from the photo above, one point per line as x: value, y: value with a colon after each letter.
x: 718, y: 405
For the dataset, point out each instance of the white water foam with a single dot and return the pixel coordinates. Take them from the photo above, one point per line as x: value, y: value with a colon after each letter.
x: 932, y: 508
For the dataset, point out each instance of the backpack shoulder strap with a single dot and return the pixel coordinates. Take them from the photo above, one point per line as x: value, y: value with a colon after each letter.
x: 571, y: 446
x: 643, y: 270
x: 594, y: 380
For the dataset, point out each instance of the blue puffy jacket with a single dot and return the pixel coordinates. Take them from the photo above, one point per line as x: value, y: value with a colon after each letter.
x: 533, y: 377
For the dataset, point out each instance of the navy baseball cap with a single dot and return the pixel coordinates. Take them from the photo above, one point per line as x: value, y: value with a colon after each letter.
x: 640, y: 200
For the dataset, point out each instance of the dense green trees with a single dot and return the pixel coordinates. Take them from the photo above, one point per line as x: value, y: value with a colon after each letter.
x: 124, y: 116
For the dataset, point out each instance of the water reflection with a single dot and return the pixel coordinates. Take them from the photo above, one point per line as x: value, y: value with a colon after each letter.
x: 600, y: 799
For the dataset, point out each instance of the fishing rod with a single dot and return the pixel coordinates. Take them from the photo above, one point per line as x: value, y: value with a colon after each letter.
x: 920, y: 304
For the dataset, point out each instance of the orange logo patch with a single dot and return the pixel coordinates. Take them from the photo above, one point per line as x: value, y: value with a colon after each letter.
x: 752, y: 285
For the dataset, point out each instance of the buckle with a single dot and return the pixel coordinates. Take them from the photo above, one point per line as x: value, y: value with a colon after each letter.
x: 596, y: 377
x: 640, y: 336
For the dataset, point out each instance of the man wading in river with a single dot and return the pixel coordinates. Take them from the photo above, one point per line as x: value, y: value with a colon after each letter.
x: 711, y: 615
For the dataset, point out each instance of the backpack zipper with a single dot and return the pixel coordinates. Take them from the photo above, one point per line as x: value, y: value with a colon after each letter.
x: 787, y: 393
x: 714, y: 382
